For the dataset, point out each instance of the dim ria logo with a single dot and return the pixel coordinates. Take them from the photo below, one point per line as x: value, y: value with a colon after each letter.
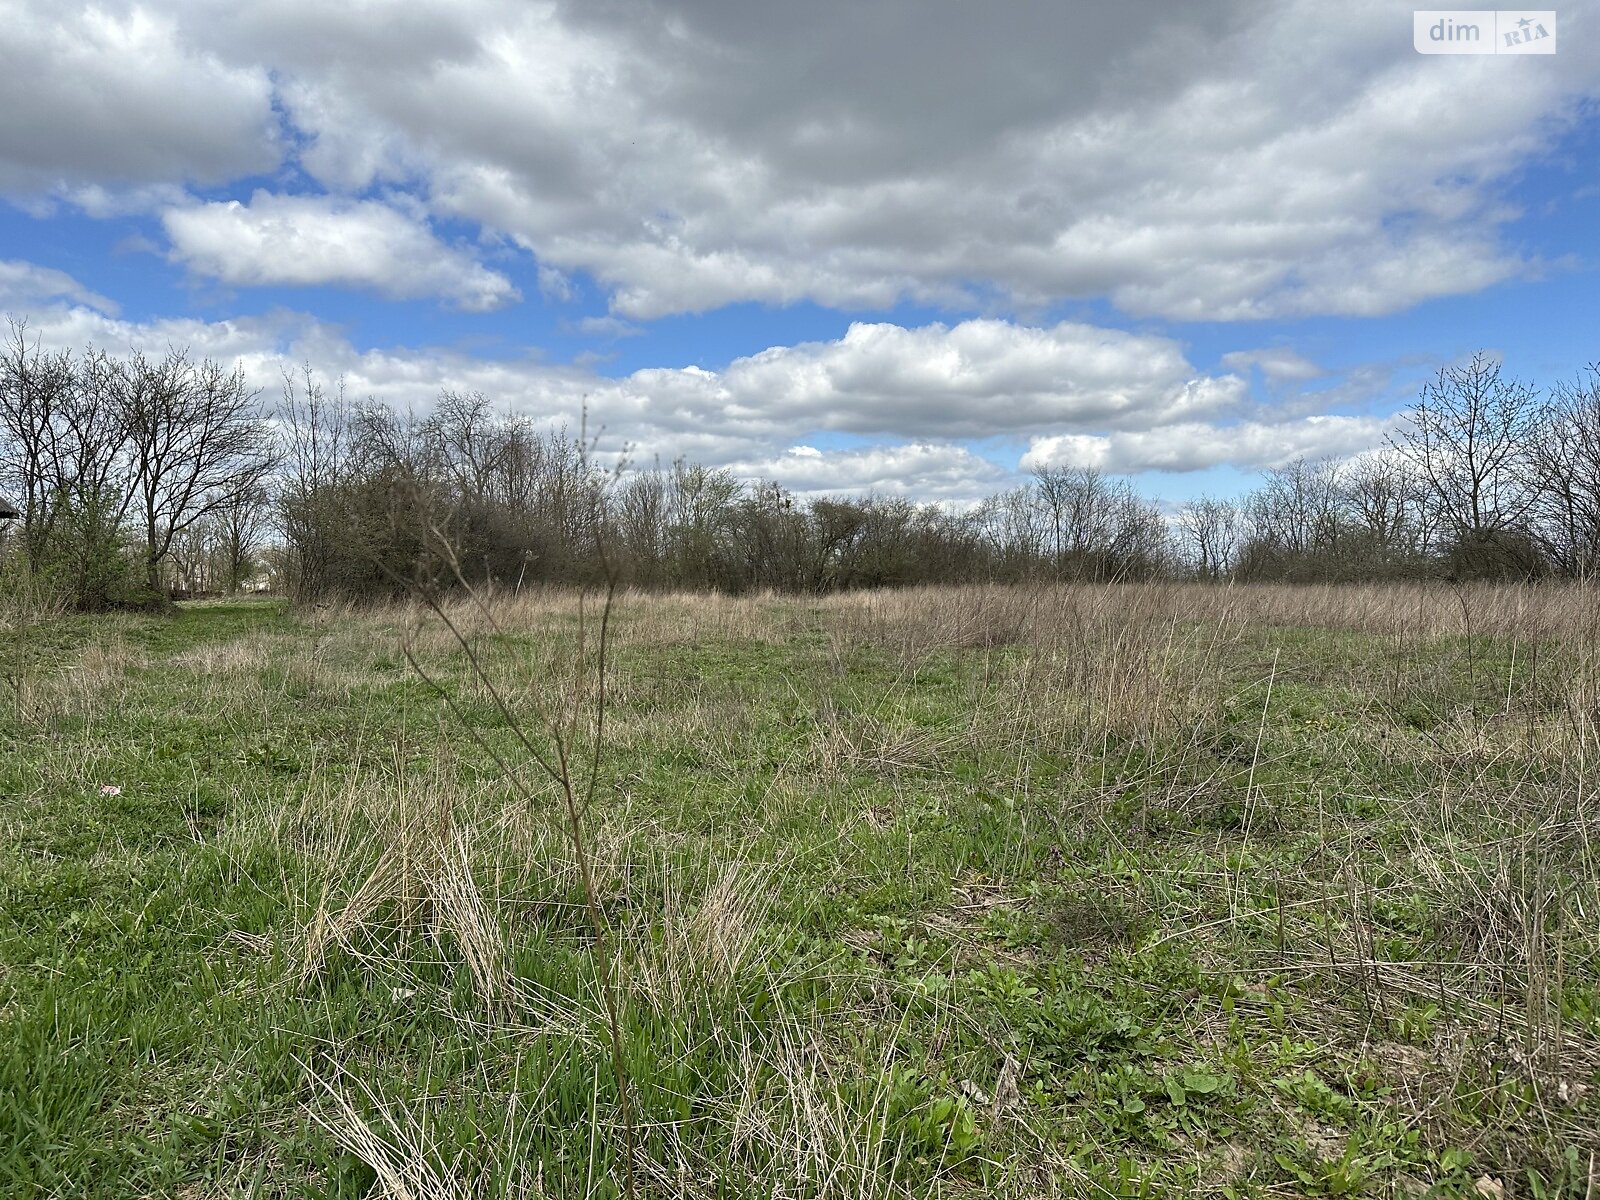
x: 1484, y: 31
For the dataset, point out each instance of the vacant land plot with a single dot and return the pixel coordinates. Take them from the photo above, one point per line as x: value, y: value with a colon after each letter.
x: 1072, y: 891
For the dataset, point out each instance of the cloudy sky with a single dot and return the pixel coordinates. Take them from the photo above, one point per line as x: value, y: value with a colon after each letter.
x: 913, y: 246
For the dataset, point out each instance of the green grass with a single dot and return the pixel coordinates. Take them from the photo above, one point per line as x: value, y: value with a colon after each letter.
x: 1135, y: 901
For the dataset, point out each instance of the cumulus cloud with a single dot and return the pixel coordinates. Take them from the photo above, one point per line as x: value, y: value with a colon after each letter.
x: 919, y: 470
x: 606, y: 327
x: 1194, y: 446
x: 26, y: 285
x: 306, y: 240
x: 1080, y: 395
x: 976, y: 378
x: 1219, y: 159
x: 121, y: 96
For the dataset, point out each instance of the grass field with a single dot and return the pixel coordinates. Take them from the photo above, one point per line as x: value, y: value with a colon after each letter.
x: 1130, y: 891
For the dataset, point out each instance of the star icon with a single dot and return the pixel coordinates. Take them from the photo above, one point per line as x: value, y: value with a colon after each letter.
x: 1524, y: 23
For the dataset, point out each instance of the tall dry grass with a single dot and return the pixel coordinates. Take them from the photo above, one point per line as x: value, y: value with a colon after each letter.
x: 1141, y: 688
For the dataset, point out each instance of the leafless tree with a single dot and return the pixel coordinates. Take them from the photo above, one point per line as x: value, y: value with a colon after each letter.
x: 1015, y: 530
x: 1297, y: 507
x: 1098, y: 528
x: 1392, y: 514
x: 701, y: 503
x: 639, y: 511
x: 240, y: 530
x: 1566, y: 469
x: 196, y: 442
x: 35, y: 390
x: 62, y: 452
x: 1211, y: 529
x: 470, y: 442
x: 1080, y: 506
x: 1468, y: 438
x: 315, y: 436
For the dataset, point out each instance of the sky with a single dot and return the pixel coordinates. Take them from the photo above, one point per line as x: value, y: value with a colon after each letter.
x: 917, y: 248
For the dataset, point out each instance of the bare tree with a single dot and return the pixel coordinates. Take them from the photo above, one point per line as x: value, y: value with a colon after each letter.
x: 1080, y: 506
x: 314, y: 467
x: 240, y: 529
x: 1297, y: 507
x: 1566, y: 468
x: 196, y: 442
x: 639, y: 507
x: 701, y: 504
x: 35, y: 389
x: 62, y: 453
x: 1013, y: 528
x: 1211, y: 530
x: 1098, y: 528
x: 1468, y: 438
x: 194, y: 557
x: 470, y: 443
x: 1390, y: 512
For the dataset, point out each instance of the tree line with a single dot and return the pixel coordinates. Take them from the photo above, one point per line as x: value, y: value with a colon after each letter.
x: 135, y: 477
x: 1486, y: 478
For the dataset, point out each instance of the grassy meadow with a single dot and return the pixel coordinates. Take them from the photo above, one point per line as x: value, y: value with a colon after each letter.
x: 1071, y: 891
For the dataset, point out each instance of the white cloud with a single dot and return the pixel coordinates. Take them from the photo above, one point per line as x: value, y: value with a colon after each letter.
x: 1219, y: 159
x: 1195, y: 446
x: 554, y: 285
x: 607, y: 327
x: 757, y: 417
x: 307, y: 240
x: 973, y: 379
x: 1223, y: 161
x: 101, y: 202
x: 26, y: 285
x: 921, y: 470
x: 1278, y: 364
x: 118, y: 95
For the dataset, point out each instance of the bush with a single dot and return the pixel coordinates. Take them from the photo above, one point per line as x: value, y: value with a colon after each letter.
x: 1494, y: 555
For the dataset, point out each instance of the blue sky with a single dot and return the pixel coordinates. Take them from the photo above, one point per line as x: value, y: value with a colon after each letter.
x: 920, y: 248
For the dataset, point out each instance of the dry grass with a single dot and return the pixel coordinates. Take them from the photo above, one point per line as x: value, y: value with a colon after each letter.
x: 396, y: 1145
x: 687, y: 956
x: 889, y: 877
x: 413, y: 867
